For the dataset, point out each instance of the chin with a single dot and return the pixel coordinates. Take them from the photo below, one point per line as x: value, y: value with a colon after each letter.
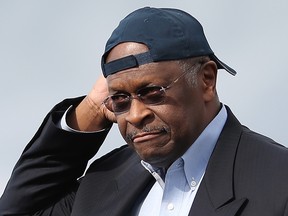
x: 158, y: 160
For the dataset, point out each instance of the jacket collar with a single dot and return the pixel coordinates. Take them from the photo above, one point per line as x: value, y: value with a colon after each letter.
x: 216, y: 194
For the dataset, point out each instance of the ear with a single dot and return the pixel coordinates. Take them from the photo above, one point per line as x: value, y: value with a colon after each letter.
x: 209, y: 77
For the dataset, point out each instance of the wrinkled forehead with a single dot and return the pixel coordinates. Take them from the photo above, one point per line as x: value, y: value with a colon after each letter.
x: 152, y: 74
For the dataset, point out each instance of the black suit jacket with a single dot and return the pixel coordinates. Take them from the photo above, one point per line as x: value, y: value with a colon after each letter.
x: 247, y: 175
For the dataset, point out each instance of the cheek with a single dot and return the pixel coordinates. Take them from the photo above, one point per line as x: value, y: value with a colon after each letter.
x: 122, y: 126
x: 173, y: 118
x: 184, y: 119
x: 177, y: 124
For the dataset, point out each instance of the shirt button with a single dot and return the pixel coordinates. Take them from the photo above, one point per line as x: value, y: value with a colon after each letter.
x: 170, y: 206
x: 193, y: 183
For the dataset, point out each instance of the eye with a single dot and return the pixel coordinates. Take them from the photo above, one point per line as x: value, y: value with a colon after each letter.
x: 119, y: 98
x: 152, y: 95
x: 150, y: 91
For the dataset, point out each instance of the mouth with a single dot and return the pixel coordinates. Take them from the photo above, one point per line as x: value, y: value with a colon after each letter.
x: 146, y: 135
x: 143, y: 137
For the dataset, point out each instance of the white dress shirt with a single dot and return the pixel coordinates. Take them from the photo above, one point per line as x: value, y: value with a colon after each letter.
x: 176, y: 194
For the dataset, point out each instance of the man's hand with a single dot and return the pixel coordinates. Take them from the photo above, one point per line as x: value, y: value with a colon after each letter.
x: 91, y: 114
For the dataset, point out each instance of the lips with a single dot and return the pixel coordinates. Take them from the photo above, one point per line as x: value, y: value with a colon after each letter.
x: 146, y: 134
x: 143, y: 137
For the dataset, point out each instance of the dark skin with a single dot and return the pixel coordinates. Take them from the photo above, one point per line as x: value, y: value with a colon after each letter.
x: 158, y: 133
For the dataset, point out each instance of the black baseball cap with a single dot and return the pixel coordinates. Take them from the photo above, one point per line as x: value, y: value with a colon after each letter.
x: 170, y: 34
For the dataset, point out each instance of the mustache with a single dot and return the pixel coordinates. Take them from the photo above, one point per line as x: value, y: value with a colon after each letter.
x: 146, y: 129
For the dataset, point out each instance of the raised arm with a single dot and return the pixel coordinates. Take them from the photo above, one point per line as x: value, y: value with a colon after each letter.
x: 54, y: 159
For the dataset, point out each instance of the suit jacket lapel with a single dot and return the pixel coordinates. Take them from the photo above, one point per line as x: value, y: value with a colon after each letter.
x: 132, y: 189
x: 215, y: 196
x: 106, y: 193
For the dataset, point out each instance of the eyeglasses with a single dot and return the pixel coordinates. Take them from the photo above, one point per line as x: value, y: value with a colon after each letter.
x: 150, y: 95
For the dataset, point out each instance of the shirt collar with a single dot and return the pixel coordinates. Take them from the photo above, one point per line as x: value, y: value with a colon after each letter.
x: 196, y: 158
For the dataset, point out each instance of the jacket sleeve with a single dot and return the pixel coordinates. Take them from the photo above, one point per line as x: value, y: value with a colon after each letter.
x: 49, y: 166
x: 286, y: 209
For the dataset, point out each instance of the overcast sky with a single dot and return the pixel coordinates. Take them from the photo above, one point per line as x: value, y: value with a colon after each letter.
x: 51, y: 49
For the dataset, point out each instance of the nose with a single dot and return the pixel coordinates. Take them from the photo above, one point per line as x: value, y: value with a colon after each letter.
x: 138, y: 113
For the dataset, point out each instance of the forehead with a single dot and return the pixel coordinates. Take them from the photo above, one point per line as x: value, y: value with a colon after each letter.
x: 152, y: 73
x: 130, y: 80
x: 126, y: 49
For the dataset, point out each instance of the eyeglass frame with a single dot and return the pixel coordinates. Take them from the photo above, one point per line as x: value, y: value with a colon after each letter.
x: 138, y: 96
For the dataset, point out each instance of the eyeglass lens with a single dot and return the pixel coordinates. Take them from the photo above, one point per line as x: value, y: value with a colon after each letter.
x: 120, y: 103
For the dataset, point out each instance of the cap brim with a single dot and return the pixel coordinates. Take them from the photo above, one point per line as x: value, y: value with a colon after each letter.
x: 222, y: 65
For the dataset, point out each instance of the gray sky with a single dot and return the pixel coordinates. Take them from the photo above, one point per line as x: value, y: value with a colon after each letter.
x: 51, y: 49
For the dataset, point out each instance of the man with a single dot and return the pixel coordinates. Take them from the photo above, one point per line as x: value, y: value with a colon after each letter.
x: 187, y: 154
